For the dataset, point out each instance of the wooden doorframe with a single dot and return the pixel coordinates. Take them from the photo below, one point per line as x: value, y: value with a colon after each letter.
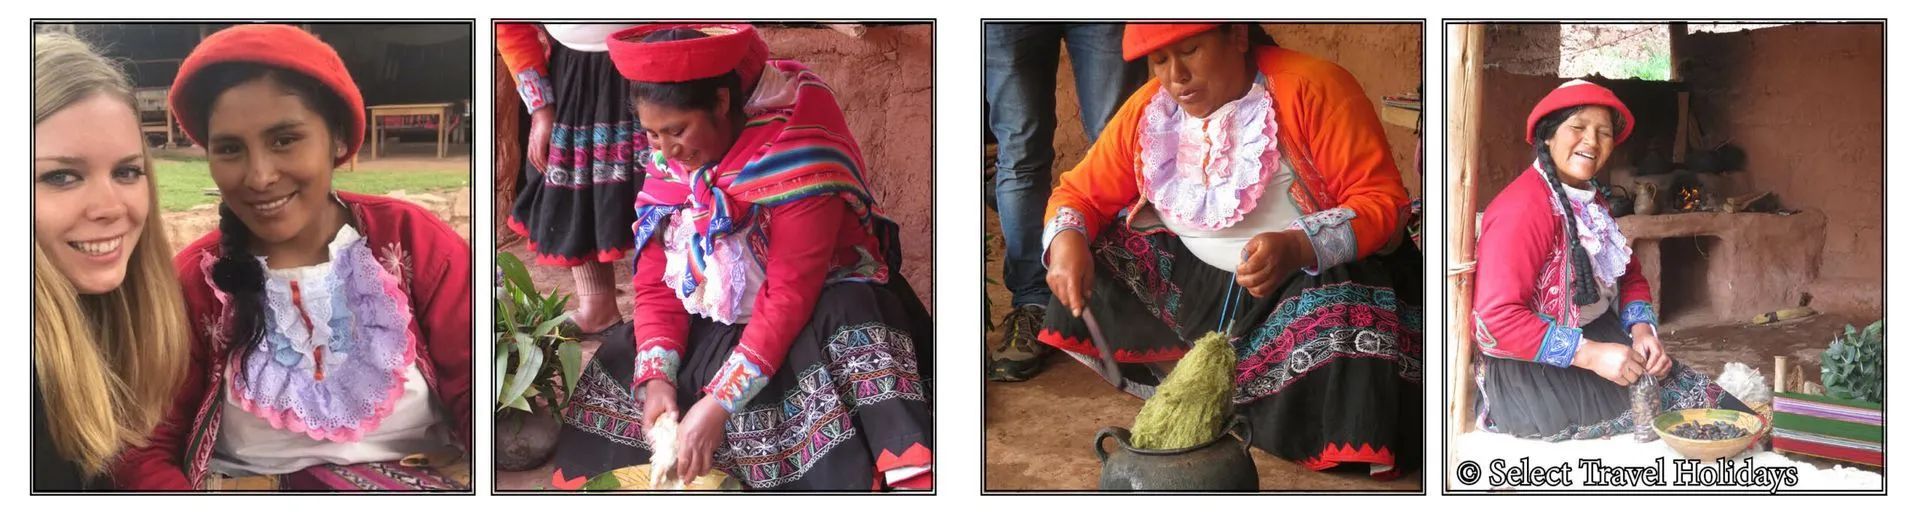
x: 1466, y: 53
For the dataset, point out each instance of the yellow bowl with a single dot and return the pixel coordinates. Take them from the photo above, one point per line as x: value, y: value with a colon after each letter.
x: 1707, y: 449
x: 636, y: 478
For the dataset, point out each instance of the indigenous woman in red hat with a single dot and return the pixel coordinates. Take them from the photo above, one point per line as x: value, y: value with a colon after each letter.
x: 1248, y: 189
x: 769, y: 318
x: 1561, y: 314
x: 574, y: 204
x: 332, y: 332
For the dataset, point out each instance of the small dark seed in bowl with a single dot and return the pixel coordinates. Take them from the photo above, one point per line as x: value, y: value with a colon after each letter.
x: 1714, y: 431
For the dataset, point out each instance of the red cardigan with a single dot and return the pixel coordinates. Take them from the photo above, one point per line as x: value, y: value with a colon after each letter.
x: 1522, y: 294
x: 805, y: 240
x: 434, y: 266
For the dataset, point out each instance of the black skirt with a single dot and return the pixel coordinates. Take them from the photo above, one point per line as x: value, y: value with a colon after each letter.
x: 1329, y: 366
x: 853, y: 397
x: 1540, y: 401
x: 581, y: 209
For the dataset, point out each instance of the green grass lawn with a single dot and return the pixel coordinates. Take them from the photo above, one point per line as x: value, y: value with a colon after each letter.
x: 181, y: 182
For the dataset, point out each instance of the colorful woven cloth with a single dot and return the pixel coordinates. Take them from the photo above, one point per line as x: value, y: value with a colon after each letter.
x: 795, y: 146
x: 455, y: 475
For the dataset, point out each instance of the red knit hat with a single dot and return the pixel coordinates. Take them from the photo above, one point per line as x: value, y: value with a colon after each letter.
x: 280, y: 46
x: 727, y: 47
x: 1141, y: 39
x: 1580, y: 92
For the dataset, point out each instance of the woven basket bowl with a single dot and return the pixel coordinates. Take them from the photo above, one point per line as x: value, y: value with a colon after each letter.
x: 1703, y: 449
x: 1765, y: 410
x: 635, y: 478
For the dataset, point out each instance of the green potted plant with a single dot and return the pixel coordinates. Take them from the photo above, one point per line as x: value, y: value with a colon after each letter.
x: 536, y: 364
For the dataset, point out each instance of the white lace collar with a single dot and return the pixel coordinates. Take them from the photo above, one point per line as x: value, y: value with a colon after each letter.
x: 1599, y: 234
x: 1209, y: 171
x: 341, y: 239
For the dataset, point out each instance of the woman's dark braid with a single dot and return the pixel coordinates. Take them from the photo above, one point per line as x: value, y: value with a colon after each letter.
x: 242, y: 277
x: 1585, y: 290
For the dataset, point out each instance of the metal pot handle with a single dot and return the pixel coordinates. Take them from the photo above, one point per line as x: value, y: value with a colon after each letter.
x: 1100, y: 438
x: 1239, y: 428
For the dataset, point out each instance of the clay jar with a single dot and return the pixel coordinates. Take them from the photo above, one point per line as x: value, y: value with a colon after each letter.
x: 1646, y: 199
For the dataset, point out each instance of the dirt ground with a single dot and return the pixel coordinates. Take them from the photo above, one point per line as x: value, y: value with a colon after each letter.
x: 1039, y: 433
x: 1708, y: 349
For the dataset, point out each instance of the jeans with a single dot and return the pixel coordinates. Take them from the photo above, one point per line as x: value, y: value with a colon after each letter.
x: 1021, y: 63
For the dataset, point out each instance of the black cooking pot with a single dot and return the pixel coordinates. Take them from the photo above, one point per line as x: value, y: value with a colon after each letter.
x: 1223, y: 464
x: 1619, y: 201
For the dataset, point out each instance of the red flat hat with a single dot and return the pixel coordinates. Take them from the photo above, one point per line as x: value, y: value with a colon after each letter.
x: 727, y: 47
x: 280, y: 46
x: 1580, y: 92
x: 1141, y: 39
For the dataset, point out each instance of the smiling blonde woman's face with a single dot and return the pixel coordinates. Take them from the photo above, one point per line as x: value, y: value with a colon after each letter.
x: 90, y: 191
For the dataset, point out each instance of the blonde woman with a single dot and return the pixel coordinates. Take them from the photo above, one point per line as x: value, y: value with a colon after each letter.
x: 109, y: 333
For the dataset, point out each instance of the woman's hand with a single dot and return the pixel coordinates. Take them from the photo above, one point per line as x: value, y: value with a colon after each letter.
x: 1615, y: 362
x: 1270, y: 258
x: 659, y: 400
x: 1647, y: 344
x: 538, y: 137
x: 1070, y: 270
x: 700, y: 434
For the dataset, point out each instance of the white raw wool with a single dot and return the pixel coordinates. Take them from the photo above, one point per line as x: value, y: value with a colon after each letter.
x: 1745, y: 383
x: 664, y: 437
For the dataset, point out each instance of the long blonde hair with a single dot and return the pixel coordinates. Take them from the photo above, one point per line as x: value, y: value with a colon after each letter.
x: 107, y: 365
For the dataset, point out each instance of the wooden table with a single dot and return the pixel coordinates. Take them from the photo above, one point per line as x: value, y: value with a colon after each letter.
x: 440, y: 113
x: 164, y: 128
x: 151, y: 100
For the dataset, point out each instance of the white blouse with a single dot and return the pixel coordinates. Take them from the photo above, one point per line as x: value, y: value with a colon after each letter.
x: 584, y: 37
x: 249, y: 445
x: 1216, y: 181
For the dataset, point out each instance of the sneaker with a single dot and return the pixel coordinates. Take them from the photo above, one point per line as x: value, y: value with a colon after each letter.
x: 1021, y: 355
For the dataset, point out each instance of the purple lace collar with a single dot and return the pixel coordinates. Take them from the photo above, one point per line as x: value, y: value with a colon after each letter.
x: 334, y: 359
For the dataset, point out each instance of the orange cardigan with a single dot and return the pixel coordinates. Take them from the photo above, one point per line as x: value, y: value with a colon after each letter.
x: 523, y: 48
x: 1329, y: 135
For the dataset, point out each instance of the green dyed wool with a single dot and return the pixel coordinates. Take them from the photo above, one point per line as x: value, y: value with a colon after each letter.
x: 1192, y: 404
